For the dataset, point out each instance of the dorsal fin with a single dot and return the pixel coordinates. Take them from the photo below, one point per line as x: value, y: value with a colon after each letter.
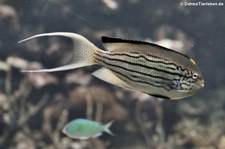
x: 117, y: 44
x: 106, y: 40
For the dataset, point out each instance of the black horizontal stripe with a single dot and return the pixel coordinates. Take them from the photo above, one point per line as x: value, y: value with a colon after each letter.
x: 132, y: 71
x: 141, y: 56
x: 152, y: 61
x: 141, y: 65
x: 189, y: 78
x: 139, y: 81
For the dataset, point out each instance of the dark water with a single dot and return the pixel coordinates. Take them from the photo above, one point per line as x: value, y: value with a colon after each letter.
x: 35, y: 107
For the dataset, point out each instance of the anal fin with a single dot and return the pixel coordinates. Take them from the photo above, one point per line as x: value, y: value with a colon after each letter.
x: 97, y: 135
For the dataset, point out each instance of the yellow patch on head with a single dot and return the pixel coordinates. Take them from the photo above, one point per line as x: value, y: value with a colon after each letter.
x: 192, y: 61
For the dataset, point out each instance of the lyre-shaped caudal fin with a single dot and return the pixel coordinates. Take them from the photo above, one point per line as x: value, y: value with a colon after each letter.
x: 83, y: 51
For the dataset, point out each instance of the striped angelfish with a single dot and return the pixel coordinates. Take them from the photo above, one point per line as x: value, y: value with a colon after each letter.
x: 135, y: 65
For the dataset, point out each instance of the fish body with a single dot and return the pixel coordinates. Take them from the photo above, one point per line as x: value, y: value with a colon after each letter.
x: 85, y: 129
x: 135, y: 65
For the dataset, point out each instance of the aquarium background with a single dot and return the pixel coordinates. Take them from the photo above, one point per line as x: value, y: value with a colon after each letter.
x: 34, y: 107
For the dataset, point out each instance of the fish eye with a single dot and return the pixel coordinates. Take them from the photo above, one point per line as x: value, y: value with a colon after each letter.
x: 195, y: 76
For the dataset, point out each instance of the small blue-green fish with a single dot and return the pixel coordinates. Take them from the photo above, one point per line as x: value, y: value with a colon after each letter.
x: 135, y: 65
x: 85, y: 129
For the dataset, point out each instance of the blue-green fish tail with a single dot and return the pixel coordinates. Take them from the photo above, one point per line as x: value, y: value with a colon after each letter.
x: 107, y: 128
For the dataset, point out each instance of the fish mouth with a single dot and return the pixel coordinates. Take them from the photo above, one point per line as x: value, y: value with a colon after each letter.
x: 201, y: 84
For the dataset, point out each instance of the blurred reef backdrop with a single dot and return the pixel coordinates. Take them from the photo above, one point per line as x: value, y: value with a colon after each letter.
x: 34, y: 107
